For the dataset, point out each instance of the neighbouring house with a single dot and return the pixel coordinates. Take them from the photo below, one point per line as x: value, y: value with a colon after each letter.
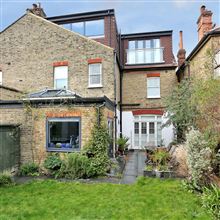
x: 204, y: 60
x: 206, y: 52
x: 58, y: 73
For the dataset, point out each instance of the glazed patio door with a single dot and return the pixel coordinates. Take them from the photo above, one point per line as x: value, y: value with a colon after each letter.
x: 147, y: 131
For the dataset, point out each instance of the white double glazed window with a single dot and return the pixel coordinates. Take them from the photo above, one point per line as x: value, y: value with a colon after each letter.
x: 95, y: 75
x: 61, y: 77
x: 153, y: 87
x: 0, y: 77
x: 147, y: 131
x: 144, y: 51
x: 217, y: 65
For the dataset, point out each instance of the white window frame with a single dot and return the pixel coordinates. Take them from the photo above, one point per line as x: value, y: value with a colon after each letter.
x: 217, y: 65
x: 55, y: 86
x: 147, y: 118
x: 99, y: 84
x: 1, y: 77
x: 149, y: 96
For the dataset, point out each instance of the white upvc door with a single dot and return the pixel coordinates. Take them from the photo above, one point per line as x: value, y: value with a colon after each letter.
x: 147, y: 131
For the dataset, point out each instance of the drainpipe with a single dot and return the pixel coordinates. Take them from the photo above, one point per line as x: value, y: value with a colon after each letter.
x: 115, y: 107
x: 121, y: 76
x: 98, y: 109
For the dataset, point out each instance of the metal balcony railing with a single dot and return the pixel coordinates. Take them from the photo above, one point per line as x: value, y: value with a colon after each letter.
x: 145, y: 56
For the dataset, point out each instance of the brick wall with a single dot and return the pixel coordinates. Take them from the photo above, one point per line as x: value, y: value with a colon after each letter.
x: 7, y: 94
x: 134, y: 87
x: 31, y: 46
x: 33, y: 128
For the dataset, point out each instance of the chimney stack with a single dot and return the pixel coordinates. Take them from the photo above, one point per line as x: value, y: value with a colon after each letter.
x: 181, y: 55
x: 204, y: 22
x: 37, y: 10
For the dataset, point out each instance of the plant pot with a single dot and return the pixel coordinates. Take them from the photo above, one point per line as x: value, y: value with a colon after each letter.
x: 168, y: 174
x: 158, y: 173
x: 149, y: 173
x: 164, y: 174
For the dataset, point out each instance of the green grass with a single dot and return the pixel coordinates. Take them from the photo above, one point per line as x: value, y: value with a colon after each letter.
x: 151, y: 199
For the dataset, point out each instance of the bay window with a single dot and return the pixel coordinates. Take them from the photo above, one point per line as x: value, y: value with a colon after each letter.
x: 63, y: 134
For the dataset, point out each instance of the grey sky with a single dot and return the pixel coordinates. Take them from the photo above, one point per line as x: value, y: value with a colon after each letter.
x: 132, y: 16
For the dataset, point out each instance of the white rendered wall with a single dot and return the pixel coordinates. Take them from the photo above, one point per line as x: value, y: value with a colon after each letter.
x: 168, y: 132
x: 127, y: 126
x: 127, y: 129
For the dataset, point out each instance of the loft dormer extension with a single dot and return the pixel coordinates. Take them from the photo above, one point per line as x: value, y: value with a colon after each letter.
x: 151, y: 49
x: 98, y: 25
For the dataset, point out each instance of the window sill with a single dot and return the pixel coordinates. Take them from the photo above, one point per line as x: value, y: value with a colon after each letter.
x: 130, y: 64
x: 153, y: 97
x: 95, y: 87
x: 62, y: 150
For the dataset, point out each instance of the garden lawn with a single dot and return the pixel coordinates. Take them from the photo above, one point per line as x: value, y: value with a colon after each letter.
x: 148, y: 199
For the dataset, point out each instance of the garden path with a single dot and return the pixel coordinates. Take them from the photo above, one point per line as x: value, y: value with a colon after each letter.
x: 134, y: 167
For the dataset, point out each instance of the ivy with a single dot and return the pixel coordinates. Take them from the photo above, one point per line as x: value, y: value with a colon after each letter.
x: 96, y: 148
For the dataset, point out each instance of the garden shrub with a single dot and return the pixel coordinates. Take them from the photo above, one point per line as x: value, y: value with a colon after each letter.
x: 96, y: 150
x: 199, y: 158
x: 53, y: 163
x: 75, y: 166
x: 5, y: 179
x: 182, y: 113
x: 211, y: 201
x: 29, y: 169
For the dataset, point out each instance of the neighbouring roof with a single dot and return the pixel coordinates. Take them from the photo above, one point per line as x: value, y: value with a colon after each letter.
x: 206, y: 37
x: 81, y: 16
x: 53, y: 93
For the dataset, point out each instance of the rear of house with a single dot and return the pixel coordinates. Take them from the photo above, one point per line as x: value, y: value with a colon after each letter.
x: 58, y: 74
x: 61, y: 81
x: 148, y: 78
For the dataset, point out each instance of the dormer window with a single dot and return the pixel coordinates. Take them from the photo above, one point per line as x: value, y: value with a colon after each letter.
x: 144, y: 52
x: 92, y: 29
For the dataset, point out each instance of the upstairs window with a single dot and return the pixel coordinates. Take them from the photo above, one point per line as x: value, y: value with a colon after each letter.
x: 217, y: 65
x: 144, y: 51
x: 61, y: 77
x: 94, y: 28
x: 0, y: 77
x: 153, y: 87
x: 95, y: 75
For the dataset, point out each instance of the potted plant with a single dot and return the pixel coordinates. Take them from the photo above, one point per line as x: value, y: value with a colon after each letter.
x: 161, y: 159
x: 122, y: 143
x: 149, y: 171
